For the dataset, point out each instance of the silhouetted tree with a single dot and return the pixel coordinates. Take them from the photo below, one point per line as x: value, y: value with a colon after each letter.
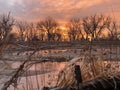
x: 32, y: 31
x: 58, y: 36
x: 49, y: 26
x: 112, y: 27
x: 41, y: 37
x: 94, y: 25
x: 6, y: 25
x: 74, y: 29
x: 22, y: 26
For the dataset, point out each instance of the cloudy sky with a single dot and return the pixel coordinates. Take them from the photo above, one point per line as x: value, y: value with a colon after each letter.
x: 62, y: 10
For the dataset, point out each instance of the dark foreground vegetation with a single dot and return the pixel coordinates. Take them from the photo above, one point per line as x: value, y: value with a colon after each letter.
x: 104, y: 83
x: 97, y: 84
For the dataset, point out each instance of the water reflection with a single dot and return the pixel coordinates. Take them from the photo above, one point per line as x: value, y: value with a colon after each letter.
x: 39, y: 75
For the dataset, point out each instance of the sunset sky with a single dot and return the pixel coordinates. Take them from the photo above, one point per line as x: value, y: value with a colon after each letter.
x: 61, y: 10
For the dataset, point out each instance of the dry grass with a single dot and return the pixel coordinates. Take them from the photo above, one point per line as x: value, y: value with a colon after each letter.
x: 92, y: 67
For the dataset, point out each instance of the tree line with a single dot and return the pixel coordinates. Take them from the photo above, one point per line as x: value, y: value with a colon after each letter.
x: 97, y: 27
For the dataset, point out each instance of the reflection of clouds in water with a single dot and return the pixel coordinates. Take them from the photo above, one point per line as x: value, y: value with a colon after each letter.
x: 47, y: 79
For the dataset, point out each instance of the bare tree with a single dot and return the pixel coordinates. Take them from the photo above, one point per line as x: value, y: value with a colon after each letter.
x: 94, y: 25
x: 74, y: 29
x: 112, y: 27
x: 32, y: 31
x: 49, y: 26
x: 22, y: 26
x: 6, y: 25
x: 59, y: 34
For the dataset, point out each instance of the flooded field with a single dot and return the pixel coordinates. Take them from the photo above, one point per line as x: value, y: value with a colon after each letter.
x: 45, y: 74
x: 37, y: 76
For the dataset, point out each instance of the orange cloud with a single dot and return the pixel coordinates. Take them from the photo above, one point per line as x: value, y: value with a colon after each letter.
x: 62, y: 10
